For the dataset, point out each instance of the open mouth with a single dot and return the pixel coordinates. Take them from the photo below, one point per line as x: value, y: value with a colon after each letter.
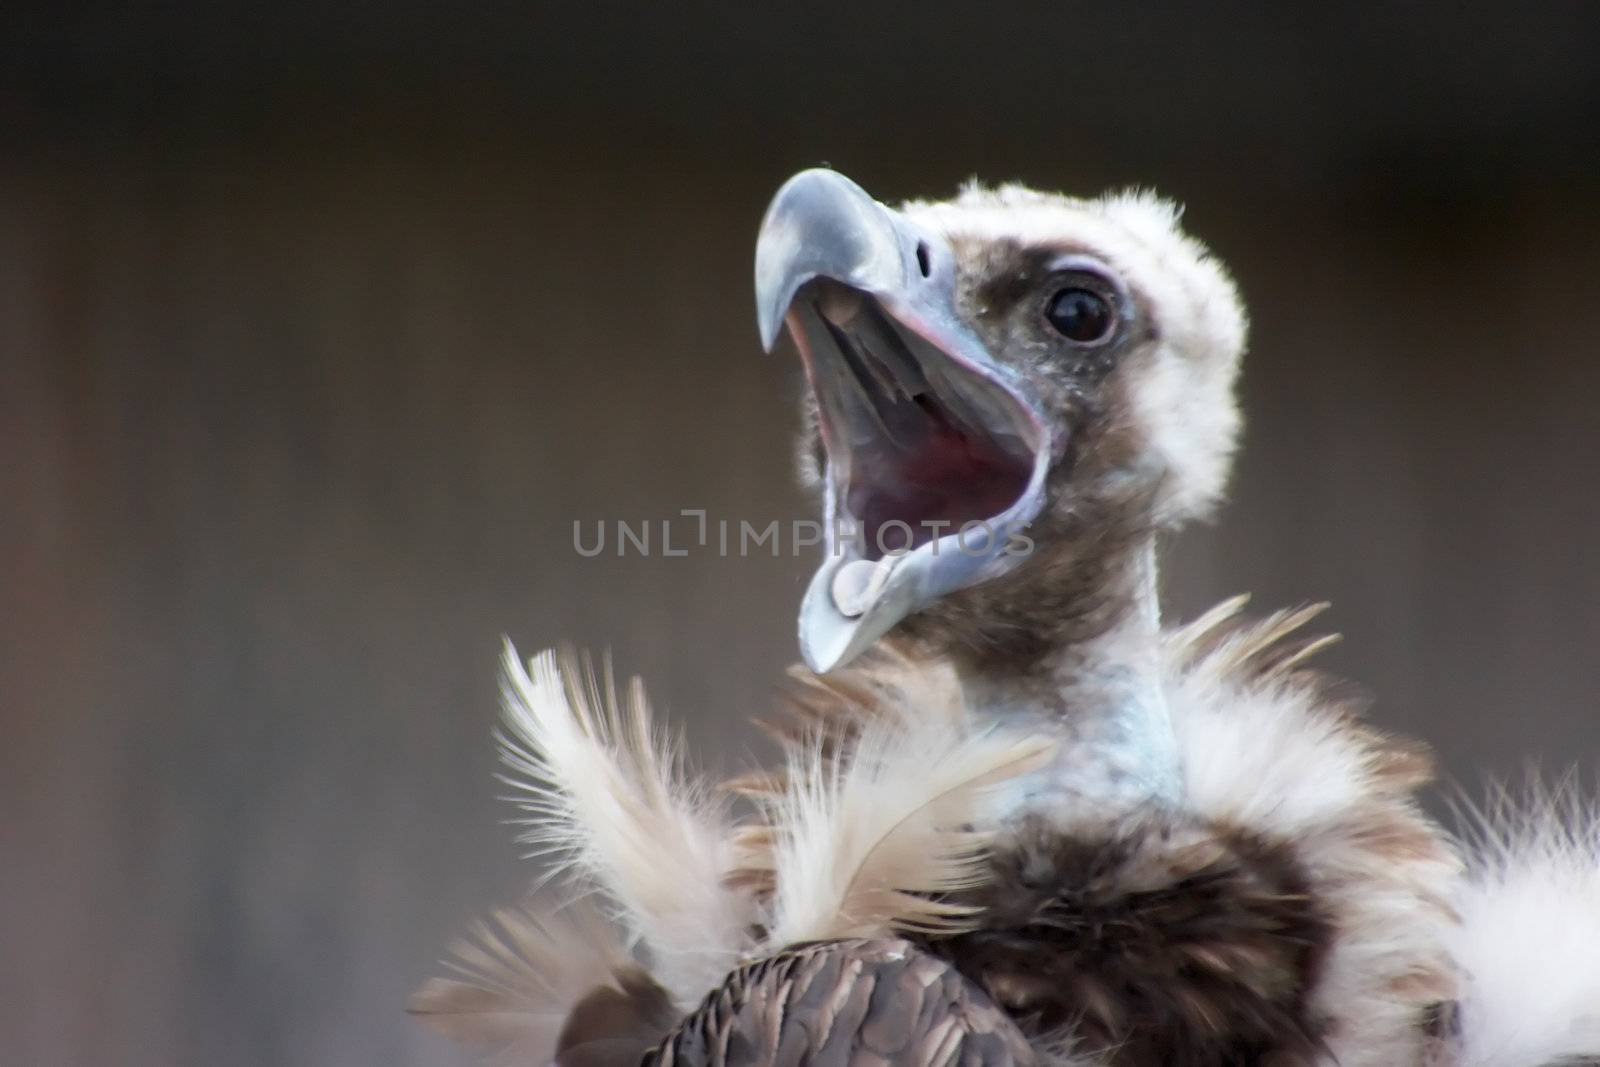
x: 936, y: 462
x: 923, y: 448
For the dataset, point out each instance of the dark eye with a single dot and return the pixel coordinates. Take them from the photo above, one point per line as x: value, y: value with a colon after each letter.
x: 1080, y: 315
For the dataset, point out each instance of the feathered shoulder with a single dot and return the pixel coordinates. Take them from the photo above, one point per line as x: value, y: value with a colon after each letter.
x: 1297, y: 891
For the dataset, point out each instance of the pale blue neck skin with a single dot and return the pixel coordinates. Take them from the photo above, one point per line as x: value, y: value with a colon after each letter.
x: 1105, y: 699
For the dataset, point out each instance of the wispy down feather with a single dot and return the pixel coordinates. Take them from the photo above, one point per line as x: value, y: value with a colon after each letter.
x: 1529, y: 937
x: 517, y: 978
x: 609, y: 797
x: 872, y: 841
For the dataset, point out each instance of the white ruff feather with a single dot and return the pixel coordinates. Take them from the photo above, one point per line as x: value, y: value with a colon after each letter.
x: 870, y: 842
x: 1529, y: 939
x: 609, y: 797
x: 1264, y: 751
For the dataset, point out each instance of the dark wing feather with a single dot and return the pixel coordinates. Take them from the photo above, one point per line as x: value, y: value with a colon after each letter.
x: 846, y: 1004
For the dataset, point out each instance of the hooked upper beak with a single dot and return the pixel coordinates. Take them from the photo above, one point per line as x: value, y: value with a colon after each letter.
x: 936, y: 457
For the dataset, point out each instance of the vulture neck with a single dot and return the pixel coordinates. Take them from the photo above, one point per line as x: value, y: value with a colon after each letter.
x: 1101, y: 691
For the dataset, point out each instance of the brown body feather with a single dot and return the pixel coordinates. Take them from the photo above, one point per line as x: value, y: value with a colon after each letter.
x: 1169, y: 944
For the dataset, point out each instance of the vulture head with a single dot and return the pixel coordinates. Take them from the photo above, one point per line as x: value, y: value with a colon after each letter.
x: 1005, y: 390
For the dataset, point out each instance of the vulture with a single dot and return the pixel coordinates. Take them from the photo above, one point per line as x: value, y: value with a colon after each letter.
x: 1017, y: 819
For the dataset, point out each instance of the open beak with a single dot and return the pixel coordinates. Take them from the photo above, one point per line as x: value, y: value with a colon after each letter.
x: 936, y: 459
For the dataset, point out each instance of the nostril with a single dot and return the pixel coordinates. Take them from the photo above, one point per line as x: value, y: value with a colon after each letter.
x: 923, y: 262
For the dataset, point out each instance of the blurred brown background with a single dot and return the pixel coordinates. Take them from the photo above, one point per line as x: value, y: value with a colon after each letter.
x: 321, y: 323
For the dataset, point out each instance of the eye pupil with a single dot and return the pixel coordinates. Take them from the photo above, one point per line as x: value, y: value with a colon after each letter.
x: 1080, y: 315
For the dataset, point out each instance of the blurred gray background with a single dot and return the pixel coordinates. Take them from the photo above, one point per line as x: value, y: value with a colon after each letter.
x: 320, y: 324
